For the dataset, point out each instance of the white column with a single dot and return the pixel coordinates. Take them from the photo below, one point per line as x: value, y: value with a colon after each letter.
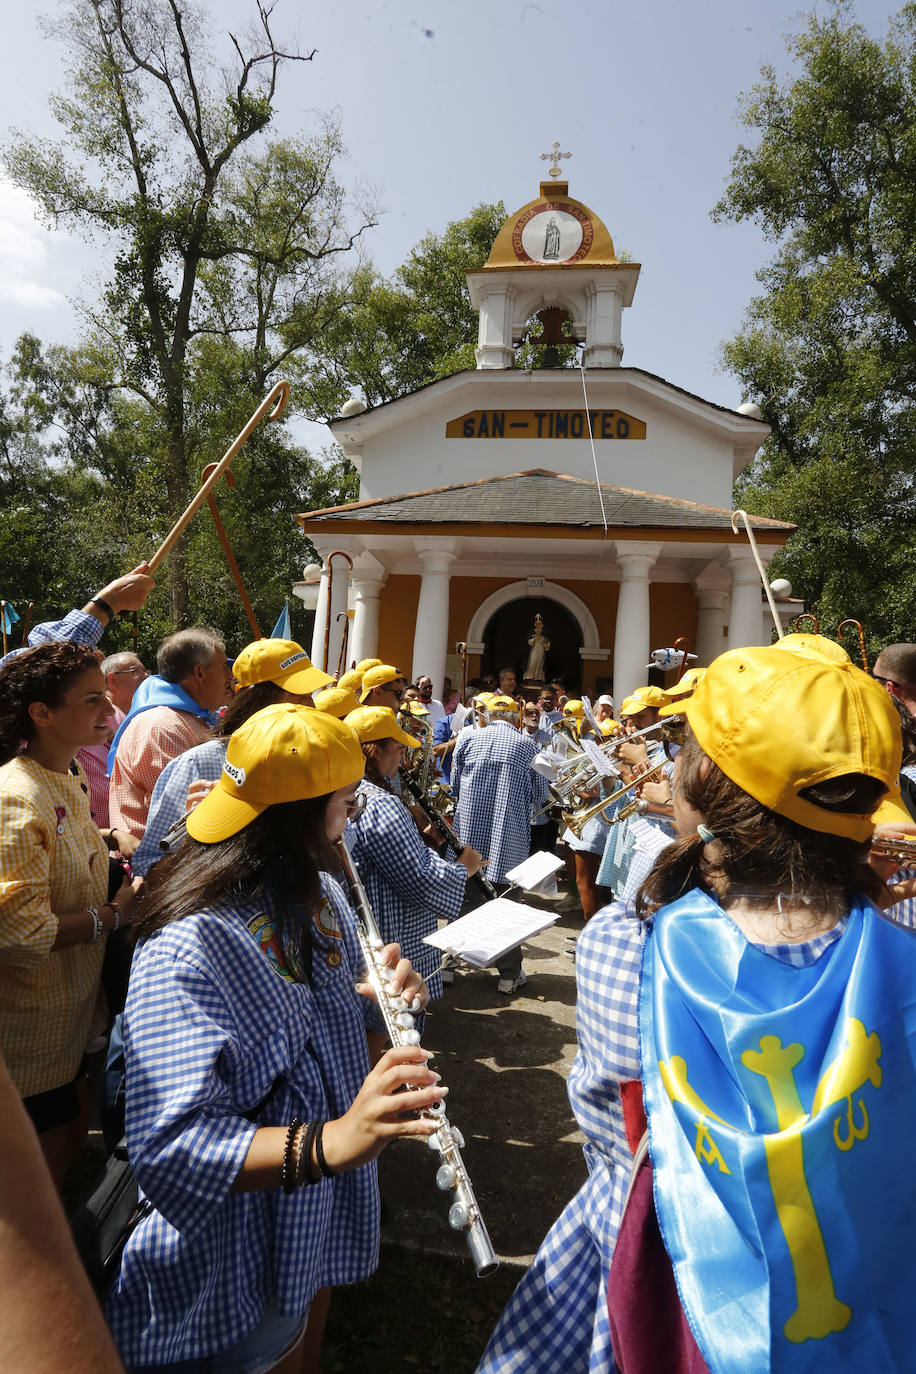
x: 712, y: 588
x: 603, y: 311
x: 744, y: 621
x: 321, y: 617
x: 631, y: 636
x: 339, y: 588
x: 431, y: 631
x: 364, y: 639
x: 494, y: 330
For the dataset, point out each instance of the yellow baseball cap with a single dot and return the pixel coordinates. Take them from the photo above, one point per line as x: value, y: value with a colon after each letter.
x: 642, y: 699
x: 336, y: 701
x: 281, y: 661
x: 351, y: 681
x: 500, y: 702
x: 680, y: 690
x: 365, y: 664
x: 380, y: 676
x: 414, y: 708
x: 281, y: 754
x: 609, y: 727
x: 378, y: 722
x: 777, y: 722
x: 814, y: 646
x: 574, y: 707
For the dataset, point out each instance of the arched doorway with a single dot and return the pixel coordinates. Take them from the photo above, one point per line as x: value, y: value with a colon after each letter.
x: 508, y: 630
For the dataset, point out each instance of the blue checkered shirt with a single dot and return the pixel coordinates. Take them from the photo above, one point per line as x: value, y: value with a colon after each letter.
x: 167, y: 804
x: 408, y: 886
x: 78, y: 627
x: 211, y: 1027
x: 491, y: 773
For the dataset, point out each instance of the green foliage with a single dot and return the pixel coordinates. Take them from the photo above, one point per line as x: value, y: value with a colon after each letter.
x: 227, y: 252
x: 829, y: 349
x: 399, y: 335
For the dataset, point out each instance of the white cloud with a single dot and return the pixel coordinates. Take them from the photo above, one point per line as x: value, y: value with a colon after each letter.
x: 26, y: 268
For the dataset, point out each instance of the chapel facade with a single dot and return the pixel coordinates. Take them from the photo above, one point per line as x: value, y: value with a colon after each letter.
x: 597, y: 497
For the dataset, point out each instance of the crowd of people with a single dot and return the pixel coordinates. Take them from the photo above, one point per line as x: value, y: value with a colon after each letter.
x: 171, y: 886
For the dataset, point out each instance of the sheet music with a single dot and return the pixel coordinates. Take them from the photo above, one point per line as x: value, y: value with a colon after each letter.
x: 485, y: 935
x: 603, y: 765
x: 460, y: 716
x: 533, y: 870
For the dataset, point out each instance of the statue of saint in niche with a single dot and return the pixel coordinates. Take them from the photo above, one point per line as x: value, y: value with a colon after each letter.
x: 538, y: 645
x: 552, y: 240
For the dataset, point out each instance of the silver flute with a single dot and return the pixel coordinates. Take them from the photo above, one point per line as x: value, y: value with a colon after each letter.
x: 452, y: 1175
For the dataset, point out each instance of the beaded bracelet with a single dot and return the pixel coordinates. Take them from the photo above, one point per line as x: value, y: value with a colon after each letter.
x: 96, y: 924
x: 319, y: 1151
x: 117, y: 914
x: 288, y: 1168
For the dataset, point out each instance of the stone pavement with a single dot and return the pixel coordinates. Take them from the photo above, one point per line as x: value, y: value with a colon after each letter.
x: 505, y: 1061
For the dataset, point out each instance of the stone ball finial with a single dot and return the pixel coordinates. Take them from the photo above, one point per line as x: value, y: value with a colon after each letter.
x: 352, y: 407
x: 751, y: 410
x: 781, y: 588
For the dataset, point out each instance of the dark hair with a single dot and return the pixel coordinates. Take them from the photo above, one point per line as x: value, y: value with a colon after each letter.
x: 44, y: 674
x: 280, y: 852
x: 371, y: 749
x: 760, y: 848
x: 246, y: 702
x: 907, y: 730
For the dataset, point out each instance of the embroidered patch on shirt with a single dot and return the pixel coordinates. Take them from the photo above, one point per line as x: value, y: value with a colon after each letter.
x: 327, y: 922
x: 282, y: 955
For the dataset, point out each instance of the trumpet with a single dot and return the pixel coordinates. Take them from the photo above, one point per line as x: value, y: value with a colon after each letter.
x: 577, y: 820
x: 452, y: 1175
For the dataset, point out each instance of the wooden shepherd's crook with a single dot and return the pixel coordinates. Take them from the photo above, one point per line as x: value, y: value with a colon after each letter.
x: 272, y: 407
x: 227, y: 549
x: 863, y: 653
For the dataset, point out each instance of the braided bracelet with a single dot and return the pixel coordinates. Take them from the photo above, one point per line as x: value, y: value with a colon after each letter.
x: 319, y: 1151
x: 288, y: 1168
x: 96, y: 924
x: 305, y: 1174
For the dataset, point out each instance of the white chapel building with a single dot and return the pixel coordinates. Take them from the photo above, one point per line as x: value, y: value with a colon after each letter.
x: 479, y: 505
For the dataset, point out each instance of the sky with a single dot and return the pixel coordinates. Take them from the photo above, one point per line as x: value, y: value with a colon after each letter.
x: 443, y: 106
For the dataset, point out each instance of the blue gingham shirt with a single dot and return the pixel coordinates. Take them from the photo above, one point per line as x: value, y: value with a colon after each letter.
x: 557, y: 1318
x: 210, y: 1027
x: 167, y: 804
x: 78, y: 627
x: 491, y: 773
x: 408, y: 886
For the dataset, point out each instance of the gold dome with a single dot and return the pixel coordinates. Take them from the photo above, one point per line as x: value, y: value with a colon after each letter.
x: 552, y: 231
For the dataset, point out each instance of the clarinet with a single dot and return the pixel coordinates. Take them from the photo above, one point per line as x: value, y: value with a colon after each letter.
x: 445, y: 830
x: 452, y: 1175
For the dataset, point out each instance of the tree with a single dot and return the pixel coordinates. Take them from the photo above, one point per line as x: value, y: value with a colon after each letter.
x: 216, y: 242
x: 397, y: 335
x: 829, y: 349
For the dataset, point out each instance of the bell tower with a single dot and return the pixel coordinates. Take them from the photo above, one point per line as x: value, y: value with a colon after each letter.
x: 552, y: 254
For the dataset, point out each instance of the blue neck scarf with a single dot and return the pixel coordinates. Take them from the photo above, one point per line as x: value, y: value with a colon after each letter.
x: 782, y: 1110
x: 155, y: 691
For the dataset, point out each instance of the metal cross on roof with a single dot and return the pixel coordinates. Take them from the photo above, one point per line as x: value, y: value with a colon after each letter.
x: 553, y: 158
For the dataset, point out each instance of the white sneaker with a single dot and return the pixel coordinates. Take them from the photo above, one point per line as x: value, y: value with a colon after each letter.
x: 510, y: 985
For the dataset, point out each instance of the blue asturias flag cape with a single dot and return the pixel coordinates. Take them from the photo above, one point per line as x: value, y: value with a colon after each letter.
x: 782, y: 1118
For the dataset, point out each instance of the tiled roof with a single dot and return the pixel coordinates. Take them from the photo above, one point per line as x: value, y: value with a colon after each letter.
x: 537, y: 497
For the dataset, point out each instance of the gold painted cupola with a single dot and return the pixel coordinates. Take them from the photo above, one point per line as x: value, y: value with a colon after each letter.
x: 553, y: 255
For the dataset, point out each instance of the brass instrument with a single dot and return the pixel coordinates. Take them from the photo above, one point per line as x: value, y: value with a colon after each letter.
x: 452, y: 1175
x: 419, y: 728
x: 577, y: 820
x: 438, y: 822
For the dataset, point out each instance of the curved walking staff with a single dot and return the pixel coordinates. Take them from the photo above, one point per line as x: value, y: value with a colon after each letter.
x: 806, y: 615
x: 227, y: 548
x: 682, y: 643
x: 780, y: 632
x: 26, y: 625
x: 863, y: 653
x: 271, y: 408
x: 338, y: 553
